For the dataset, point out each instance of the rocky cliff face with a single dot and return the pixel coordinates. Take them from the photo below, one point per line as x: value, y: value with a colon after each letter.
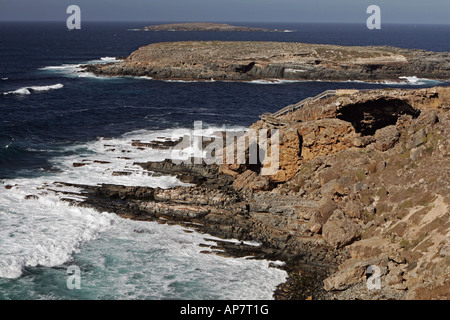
x: 363, y: 183
x: 375, y: 165
x: 244, y: 61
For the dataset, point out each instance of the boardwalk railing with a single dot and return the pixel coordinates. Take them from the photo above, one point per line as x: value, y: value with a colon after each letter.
x: 271, y: 117
x: 300, y: 104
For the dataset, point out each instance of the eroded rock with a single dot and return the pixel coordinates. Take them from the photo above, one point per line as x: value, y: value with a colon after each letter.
x: 339, y: 230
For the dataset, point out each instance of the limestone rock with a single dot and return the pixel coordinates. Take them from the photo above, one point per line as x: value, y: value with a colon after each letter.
x: 252, y: 181
x: 248, y: 60
x: 385, y: 138
x: 416, y: 153
x: 418, y: 138
x: 289, y: 155
x: 339, y: 230
x: 325, y: 137
x: 353, y: 209
x: 31, y: 197
x: 345, y: 278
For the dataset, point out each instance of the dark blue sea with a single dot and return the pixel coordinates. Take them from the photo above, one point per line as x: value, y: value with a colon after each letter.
x: 52, y: 115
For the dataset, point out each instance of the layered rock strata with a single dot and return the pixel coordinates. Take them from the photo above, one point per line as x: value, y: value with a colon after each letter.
x: 252, y: 60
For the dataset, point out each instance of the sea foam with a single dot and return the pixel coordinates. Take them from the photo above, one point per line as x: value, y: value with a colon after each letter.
x: 31, y: 89
x: 76, y: 69
x: 40, y: 229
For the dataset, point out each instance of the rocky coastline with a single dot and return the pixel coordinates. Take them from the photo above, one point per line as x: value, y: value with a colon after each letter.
x: 363, y: 181
x: 254, y: 60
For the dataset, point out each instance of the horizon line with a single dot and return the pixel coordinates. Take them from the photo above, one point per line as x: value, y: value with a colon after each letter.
x: 229, y: 22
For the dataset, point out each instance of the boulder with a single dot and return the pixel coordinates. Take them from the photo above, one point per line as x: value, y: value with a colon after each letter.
x: 31, y: 197
x: 386, y: 138
x: 353, y: 209
x: 418, y: 138
x: 252, y: 181
x: 345, y: 278
x: 339, y: 230
x: 353, y: 272
x: 416, y: 153
x: 79, y: 164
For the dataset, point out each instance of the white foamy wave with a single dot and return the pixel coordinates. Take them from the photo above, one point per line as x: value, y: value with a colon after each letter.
x: 47, y: 88
x: 260, y: 81
x: 273, y: 81
x: 29, y: 90
x: 69, y: 70
x: 76, y: 70
x: 104, y: 60
x: 181, y: 81
x: 42, y: 231
x: 194, y: 81
x: 143, y: 78
x: 113, y: 160
x: 21, y: 91
x: 63, y: 67
x: 402, y: 81
x: 172, y: 261
x: 412, y: 81
x: 4, y: 79
x: 418, y: 81
x: 109, y: 59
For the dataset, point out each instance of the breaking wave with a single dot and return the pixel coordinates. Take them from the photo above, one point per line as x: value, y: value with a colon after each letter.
x: 32, y: 89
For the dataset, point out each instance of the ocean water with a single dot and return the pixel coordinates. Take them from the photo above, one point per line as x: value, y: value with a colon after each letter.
x: 52, y: 115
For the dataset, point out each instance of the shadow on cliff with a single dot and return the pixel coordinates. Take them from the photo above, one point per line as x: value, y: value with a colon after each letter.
x: 368, y: 117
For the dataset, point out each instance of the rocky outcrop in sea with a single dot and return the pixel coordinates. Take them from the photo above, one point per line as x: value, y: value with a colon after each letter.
x: 254, y: 60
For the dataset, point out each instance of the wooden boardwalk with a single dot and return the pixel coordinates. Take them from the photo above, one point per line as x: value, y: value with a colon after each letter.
x: 272, y: 117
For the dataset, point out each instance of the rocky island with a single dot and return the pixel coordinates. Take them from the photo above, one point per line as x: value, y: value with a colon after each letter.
x: 363, y: 184
x: 204, y: 26
x: 253, y: 60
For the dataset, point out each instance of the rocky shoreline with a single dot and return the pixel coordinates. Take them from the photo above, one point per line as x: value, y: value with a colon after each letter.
x: 254, y: 60
x: 221, y: 214
x: 363, y: 182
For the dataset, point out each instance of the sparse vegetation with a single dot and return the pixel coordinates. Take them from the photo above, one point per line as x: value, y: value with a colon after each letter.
x: 406, y: 204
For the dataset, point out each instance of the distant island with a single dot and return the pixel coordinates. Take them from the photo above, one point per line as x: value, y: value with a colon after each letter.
x: 205, y: 26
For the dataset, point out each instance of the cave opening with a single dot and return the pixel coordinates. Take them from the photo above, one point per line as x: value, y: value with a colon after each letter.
x: 368, y: 117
